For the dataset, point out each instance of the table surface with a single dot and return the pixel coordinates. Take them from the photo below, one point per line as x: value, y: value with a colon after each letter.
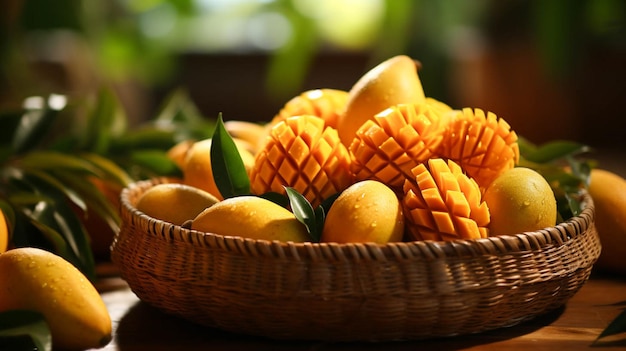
x: 575, y: 326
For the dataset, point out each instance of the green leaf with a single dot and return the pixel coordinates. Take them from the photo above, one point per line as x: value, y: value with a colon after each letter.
x: 617, y: 326
x: 93, y: 197
x: 156, y: 161
x: 106, y: 121
x: 53, y: 182
x: 228, y: 168
x: 302, y: 209
x: 54, y: 217
x: 34, y: 124
x: 52, y: 160
x: 550, y: 151
x: 62, y: 228
x: 109, y: 169
x: 178, y: 106
x: 17, y: 324
x: 146, y: 137
x: 9, y: 121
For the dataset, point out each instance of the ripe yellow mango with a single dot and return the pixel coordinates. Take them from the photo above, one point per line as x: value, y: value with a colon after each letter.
x: 251, y: 217
x: 393, y: 81
x: 38, y: 280
x: 608, y: 191
x: 367, y: 211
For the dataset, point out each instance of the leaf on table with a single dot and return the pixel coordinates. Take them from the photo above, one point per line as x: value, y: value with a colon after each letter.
x: 617, y: 326
x: 15, y: 325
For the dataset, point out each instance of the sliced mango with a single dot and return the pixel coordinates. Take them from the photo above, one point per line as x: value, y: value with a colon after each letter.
x: 399, y: 138
x: 326, y: 103
x: 442, y: 203
x: 303, y: 153
x: 481, y: 143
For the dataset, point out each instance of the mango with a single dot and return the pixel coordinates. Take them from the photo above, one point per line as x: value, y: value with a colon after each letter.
x: 38, y: 280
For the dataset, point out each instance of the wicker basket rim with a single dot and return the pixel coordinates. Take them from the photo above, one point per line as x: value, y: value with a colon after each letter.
x: 556, y: 236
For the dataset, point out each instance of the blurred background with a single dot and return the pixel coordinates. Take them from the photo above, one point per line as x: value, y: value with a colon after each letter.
x: 553, y: 69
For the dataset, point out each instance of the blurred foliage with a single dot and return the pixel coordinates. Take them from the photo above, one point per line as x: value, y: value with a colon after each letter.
x: 140, y: 39
x: 55, y: 154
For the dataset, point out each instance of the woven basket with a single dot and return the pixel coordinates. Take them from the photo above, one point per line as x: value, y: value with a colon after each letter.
x: 351, y: 292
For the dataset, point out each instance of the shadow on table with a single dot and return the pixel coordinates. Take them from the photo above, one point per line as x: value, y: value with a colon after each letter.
x: 144, y: 327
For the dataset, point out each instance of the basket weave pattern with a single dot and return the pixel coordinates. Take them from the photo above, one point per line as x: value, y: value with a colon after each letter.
x: 351, y: 292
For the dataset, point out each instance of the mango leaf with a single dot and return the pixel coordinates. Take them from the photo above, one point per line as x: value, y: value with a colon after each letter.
x: 304, y: 212
x: 23, y: 329
x: 105, y: 122
x: 61, y: 227
x: 93, y: 197
x: 551, y: 151
x: 34, y: 124
x: 145, y: 137
x: 617, y: 326
x: 9, y: 121
x: 56, y: 220
x: 229, y: 171
x: 53, y: 182
x: 155, y: 161
x: 52, y: 160
x: 108, y: 169
x: 178, y: 106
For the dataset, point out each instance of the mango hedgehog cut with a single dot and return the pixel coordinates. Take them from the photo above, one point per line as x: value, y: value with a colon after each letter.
x: 387, y: 147
x: 303, y: 153
x: 442, y: 203
x: 483, y: 145
x: 326, y: 104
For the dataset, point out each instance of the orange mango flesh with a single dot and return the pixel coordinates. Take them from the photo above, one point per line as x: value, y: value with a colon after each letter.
x: 301, y: 152
x: 482, y: 144
x: 442, y: 203
x: 395, y: 141
x: 324, y: 103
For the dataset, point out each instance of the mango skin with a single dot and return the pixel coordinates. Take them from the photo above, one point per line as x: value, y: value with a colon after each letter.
x: 38, y: 280
x: 608, y: 191
x: 367, y: 211
x: 251, y: 217
x: 393, y: 81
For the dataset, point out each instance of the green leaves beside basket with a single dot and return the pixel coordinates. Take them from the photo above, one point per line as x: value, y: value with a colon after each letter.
x: 56, y: 152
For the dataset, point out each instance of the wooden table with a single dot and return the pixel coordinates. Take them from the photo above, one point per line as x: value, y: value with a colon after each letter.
x: 575, y: 326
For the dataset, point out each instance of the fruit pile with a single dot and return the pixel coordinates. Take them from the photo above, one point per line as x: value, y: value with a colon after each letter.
x: 381, y: 162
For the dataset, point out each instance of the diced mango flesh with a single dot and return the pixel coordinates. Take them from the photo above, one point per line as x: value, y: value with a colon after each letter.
x: 442, y: 203
x: 303, y: 153
x: 480, y: 143
x: 395, y: 141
